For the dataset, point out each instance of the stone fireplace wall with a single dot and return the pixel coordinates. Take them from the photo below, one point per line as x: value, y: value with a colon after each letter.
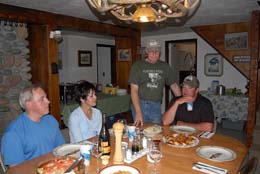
x: 14, y: 69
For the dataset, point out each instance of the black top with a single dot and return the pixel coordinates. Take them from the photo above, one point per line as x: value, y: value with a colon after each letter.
x: 202, y: 111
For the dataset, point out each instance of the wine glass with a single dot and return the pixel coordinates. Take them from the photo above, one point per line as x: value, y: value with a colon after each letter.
x: 97, y: 153
x: 155, y: 153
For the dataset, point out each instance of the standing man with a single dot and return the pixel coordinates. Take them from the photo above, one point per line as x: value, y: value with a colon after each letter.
x: 147, y: 80
x: 190, y: 109
x: 34, y: 132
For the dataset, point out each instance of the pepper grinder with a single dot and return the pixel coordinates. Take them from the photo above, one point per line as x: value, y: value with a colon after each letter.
x: 118, y: 131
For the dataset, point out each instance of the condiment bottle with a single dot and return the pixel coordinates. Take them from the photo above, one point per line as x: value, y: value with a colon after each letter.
x: 104, y: 138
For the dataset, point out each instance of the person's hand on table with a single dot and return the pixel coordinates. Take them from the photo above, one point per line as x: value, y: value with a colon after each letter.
x: 138, y: 119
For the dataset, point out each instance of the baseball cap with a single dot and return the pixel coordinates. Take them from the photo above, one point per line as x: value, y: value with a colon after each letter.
x: 153, y: 45
x: 191, y: 81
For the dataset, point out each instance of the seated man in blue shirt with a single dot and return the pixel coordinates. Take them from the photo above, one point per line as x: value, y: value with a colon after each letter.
x: 190, y: 109
x: 34, y: 132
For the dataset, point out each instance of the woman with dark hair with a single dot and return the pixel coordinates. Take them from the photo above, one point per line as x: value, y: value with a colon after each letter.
x: 85, y: 121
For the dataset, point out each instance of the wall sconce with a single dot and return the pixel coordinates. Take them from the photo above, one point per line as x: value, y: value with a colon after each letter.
x: 56, y: 35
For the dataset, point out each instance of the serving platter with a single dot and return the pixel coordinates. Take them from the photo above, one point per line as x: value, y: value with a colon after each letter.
x: 183, y: 129
x: 119, y: 168
x: 152, y: 130
x: 216, y: 153
x: 181, y: 140
x: 59, y: 165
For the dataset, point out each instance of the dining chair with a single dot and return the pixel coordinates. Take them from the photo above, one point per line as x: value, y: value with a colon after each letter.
x: 4, y: 168
x: 249, y: 167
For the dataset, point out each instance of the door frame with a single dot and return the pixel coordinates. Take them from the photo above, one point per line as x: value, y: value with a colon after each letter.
x: 167, y: 43
x: 113, y: 61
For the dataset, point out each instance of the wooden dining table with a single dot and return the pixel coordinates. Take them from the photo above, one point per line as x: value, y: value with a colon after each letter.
x: 175, y: 160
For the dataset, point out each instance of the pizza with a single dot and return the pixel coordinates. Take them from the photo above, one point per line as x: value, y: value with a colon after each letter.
x: 180, y: 139
x: 59, y: 166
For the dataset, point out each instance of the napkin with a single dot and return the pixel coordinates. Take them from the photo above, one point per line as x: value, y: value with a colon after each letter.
x: 206, y: 168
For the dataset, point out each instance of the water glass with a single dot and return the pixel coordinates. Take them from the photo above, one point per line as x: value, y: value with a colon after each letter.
x: 97, y: 153
x: 155, y: 153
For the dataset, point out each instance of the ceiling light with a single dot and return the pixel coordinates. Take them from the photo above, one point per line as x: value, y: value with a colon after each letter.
x: 159, y: 10
x: 144, y: 13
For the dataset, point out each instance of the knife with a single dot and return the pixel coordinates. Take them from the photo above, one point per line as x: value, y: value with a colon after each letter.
x: 208, y: 169
x: 209, y: 166
x: 74, y: 164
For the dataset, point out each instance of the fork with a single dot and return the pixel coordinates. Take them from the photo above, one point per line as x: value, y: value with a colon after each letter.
x: 215, y: 155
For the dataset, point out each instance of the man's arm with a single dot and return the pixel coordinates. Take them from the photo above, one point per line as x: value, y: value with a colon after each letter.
x: 203, y: 126
x: 136, y: 102
x: 14, y: 155
x: 169, y: 115
x: 176, y: 89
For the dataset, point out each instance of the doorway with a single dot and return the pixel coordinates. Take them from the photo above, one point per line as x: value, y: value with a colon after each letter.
x: 181, y: 55
x: 106, y: 63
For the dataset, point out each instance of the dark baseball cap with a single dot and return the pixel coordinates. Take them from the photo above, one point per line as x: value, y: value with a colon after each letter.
x: 191, y: 81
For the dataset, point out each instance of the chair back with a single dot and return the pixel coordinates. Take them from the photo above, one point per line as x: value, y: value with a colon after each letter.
x: 249, y: 167
x: 4, y: 168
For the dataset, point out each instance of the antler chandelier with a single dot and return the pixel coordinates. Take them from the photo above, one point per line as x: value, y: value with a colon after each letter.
x: 146, y: 10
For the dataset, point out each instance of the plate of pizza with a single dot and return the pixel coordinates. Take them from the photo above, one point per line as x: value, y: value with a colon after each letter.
x: 181, y: 140
x: 60, y: 165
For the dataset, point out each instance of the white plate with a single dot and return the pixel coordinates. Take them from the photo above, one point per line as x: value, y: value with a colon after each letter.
x: 117, y: 168
x: 67, y: 148
x: 208, y: 152
x: 196, y: 142
x: 152, y: 130
x: 183, y: 129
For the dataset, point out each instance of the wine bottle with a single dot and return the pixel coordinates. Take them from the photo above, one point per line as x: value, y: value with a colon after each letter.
x: 104, y: 138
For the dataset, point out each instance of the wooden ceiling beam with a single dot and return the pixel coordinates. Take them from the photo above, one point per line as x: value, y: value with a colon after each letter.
x: 26, y: 15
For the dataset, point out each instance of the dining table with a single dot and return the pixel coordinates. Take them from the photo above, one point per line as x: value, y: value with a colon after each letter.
x: 174, y: 160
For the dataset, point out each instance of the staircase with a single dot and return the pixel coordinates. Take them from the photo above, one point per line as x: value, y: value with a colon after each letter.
x: 255, y: 148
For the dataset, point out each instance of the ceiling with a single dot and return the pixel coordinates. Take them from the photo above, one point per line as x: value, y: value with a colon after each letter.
x: 209, y: 12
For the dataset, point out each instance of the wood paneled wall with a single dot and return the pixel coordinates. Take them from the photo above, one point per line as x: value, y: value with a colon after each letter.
x: 214, y: 35
x: 44, y: 50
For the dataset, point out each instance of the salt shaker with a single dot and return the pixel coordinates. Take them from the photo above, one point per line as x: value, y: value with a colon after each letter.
x: 128, y: 154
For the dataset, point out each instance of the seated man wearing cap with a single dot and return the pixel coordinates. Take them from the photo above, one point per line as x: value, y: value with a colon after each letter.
x: 147, y: 80
x: 190, y: 109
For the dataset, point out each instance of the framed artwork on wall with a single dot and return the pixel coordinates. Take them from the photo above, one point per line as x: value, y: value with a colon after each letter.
x: 85, y: 58
x: 236, y: 41
x: 124, y: 54
x: 213, y: 65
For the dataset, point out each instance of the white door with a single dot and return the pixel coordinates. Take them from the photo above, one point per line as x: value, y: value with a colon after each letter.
x: 104, y: 65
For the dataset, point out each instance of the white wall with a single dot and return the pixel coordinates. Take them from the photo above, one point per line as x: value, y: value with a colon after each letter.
x: 231, y: 77
x: 70, y: 71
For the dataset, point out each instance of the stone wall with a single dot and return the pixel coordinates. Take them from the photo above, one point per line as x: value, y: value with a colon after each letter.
x: 14, y: 69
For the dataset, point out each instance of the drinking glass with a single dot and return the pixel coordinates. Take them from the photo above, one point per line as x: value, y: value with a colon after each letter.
x: 155, y: 153
x: 125, y: 126
x: 97, y: 153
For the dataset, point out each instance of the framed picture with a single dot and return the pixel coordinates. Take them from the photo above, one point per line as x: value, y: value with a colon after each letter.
x: 124, y: 54
x: 85, y: 58
x: 236, y: 41
x: 213, y: 65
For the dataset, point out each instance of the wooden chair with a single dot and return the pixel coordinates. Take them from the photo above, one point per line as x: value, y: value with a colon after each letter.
x: 249, y: 167
x: 4, y: 168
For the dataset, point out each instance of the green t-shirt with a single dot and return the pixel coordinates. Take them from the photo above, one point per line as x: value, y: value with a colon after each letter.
x: 151, y: 79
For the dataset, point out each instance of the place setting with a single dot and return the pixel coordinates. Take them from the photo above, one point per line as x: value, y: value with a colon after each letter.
x: 215, y: 154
